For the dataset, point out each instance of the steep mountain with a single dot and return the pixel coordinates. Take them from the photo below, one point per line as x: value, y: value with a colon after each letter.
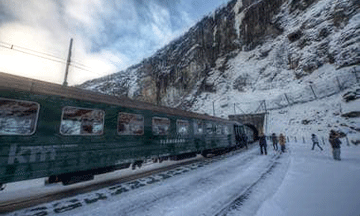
x: 249, y: 50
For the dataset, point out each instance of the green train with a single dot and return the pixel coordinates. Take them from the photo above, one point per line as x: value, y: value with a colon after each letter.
x: 70, y: 135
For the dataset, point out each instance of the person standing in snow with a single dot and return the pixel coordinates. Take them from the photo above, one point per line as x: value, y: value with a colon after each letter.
x: 282, y: 142
x: 262, y: 143
x: 237, y: 139
x: 274, y: 141
x: 244, y: 140
x: 335, y: 144
x: 315, y: 141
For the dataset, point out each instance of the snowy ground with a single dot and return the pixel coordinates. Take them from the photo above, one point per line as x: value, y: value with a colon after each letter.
x: 298, y: 182
x: 317, y: 185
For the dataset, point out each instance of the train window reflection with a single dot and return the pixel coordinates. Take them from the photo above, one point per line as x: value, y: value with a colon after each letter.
x: 226, y: 130
x: 82, y: 121
x: 182, y: 127
x: 198, y: 127
x: 209, y: 128
x: 18, y: 117
x: 130, y: 124
x: 160, y: 126
x: 218, y: 129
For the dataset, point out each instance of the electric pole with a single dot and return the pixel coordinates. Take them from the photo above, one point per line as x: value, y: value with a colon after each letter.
x: 67, y: 64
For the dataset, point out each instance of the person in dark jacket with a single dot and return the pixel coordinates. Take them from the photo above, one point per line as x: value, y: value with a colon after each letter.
x: 335, y: 144
x: 315, y: 141
x: 237, y: 139
x: 262, y: 143
x: 274, y: 141
x: 282, y: 142
x: 244, y: 140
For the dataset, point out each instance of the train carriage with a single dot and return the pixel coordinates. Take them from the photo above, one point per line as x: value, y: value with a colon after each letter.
x: 70, y: 135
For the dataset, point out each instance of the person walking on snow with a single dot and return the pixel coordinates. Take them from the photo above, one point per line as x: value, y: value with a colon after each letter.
x: 262, y: 143
x: 274, y: 141
x: 315, y: 141
x: 335, y: 144
x: 282, y: 142
x: 244, y: 140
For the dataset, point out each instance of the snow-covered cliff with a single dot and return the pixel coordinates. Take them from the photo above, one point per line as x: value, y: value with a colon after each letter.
x: 282, y: 51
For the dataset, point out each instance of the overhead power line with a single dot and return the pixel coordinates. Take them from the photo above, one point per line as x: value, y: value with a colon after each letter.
x: 43, y: 55
x: 81, y: 68
x: 31, y: 50
x: 80, y: 64
x: 26, y: 52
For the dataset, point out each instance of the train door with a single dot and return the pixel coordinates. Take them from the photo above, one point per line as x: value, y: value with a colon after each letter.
x: 237, y: 133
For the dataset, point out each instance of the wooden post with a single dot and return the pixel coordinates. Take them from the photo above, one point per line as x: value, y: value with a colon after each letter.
x: 338, y: 81
x: 355, y: 74
x: 313, y: 91
x: 287, y: 99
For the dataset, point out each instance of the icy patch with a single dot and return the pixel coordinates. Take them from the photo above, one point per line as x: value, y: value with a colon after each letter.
x: 238, y: 16
x: 238, y: 21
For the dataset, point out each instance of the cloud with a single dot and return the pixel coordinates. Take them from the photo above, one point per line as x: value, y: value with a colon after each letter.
x: 109, y: 35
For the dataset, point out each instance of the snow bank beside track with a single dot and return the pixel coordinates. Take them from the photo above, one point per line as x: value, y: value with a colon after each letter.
x: 318, y: 185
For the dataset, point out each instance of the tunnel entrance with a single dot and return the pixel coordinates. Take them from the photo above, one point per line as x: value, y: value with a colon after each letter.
x: 254, y: 121
x: 256, y: 132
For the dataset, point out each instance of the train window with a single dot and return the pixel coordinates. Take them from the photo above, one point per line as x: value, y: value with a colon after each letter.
x: 218, y: 129
x: 82, y: 121
x: 198, y: 127
x: 18, y: 117
x: 130, y: 124
x: 160, y: 126
x: 209, y: 128
x: 182, y: 127
x: 226, y: 130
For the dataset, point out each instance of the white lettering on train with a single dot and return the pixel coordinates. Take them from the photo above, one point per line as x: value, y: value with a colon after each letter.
x: 31, y: 154
x: 171, y: 141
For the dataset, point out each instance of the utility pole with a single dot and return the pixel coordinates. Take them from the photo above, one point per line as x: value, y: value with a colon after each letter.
x: 67, y: 64
x: 213, y: 108
x: 266, y: 117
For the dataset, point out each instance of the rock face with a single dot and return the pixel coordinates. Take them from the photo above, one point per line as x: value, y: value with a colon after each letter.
x: 296, y: 36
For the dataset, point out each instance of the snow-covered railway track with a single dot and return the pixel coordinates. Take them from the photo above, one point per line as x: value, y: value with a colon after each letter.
x: 248, y: 189
x: 46, y: 203
x: 114, y: 184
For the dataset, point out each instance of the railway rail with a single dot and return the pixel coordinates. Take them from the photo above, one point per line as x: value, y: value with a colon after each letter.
x: 248, y: 189
x: 26, y: 202
x: 113, y: 184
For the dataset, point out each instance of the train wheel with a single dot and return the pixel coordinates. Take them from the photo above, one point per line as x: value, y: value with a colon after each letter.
x: 161, y: 159
x: 52, y: 179
x: 2, y: 186
x: 137, y: 164
x: 72, y: 179
x: 204, y: 154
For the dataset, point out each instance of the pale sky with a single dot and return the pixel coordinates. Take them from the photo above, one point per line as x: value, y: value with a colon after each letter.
x: 108, y: 35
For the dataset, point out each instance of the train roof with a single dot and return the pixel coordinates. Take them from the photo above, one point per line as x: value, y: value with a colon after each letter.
x: 18, y: 83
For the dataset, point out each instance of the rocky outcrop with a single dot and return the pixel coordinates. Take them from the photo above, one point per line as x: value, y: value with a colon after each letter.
x: 258, y: 22
x: 295, y: 36
x: 327, y: 36
x: 184, y: 64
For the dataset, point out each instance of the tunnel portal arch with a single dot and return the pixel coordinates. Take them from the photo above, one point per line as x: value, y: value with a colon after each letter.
x: 253, y: 128
x: 254, y: 121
